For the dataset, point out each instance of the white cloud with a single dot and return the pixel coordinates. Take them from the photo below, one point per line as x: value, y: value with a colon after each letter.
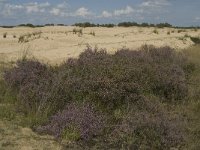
x: 36, y: 7
x: 154, y: 3
x: 82, y: 12
x: 106, y: 14
x: 197, y: 19
x: 9, y: 9
x: 14, y: 10
x: 127, y: 11
x: 55, y: 11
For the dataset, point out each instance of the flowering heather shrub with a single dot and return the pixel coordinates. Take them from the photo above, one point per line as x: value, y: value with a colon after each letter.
x: 32, y: 80
x: 146, y: 125
x: 152, y: 70
x: 119, y: 85
x: 85, y: 120
x: 24, y: 72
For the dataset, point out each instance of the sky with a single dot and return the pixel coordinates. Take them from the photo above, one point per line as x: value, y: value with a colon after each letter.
x: 175, y: 12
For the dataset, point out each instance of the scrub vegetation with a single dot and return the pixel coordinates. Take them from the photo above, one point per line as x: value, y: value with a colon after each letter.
x: 145, y: 99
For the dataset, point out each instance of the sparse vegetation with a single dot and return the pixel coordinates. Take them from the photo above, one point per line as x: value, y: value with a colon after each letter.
x: 88, y: 24
x: 155, y: 31
x: 92, y: 33
x: 77, y: 31
x: 181, y: 30
x: 144, y: 99
x: 29, y: 36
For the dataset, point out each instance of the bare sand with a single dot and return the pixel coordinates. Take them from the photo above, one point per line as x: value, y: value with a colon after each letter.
x: 56, y: 44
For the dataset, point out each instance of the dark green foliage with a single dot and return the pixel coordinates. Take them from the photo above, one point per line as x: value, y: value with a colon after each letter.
x: 130, y: 24
x: 30, y: 25
x: 162, y: 25
x: 127, y: 24
x: 84, y: 25
x: 88, y: 24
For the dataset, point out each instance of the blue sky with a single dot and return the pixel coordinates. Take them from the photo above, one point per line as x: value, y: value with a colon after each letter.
x: 176, y: 12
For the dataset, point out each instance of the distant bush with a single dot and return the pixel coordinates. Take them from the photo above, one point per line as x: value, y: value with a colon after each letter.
x: 49, y: 24
x: 127, y: 24
x: 130, y: 24
x: 30, y: 25
x: 144, y: 25
x: 107, y: 25
x: 88, y: 24
x: 162, y: 25
x: 85, y: 24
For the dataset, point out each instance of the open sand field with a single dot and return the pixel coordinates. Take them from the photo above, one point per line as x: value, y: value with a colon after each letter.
x: 56, y: 44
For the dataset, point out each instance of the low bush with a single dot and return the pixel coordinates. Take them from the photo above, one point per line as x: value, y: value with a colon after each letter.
x: 147, y: 125
x: 74, y: 123
x: 30, y: 78
x: 101, y: 96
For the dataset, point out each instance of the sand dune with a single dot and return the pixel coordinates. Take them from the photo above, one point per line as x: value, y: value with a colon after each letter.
x: 55, y: 44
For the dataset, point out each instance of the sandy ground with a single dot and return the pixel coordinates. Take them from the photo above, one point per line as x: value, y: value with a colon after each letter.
x: 13, y: 137
x: 56, y: 44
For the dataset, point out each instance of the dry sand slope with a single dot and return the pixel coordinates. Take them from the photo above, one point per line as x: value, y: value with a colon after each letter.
x: 55, y: 44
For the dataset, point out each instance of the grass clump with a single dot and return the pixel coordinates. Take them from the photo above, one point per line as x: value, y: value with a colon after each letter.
x: 78, y: 31
x: 5, y: 35
x: 29, y: 37
x: 181, y: 30
x: 92, y: 33
x: 155, y: 31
